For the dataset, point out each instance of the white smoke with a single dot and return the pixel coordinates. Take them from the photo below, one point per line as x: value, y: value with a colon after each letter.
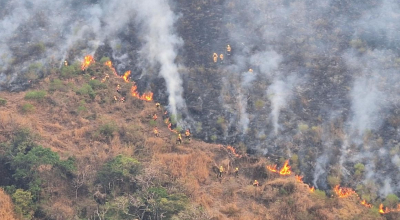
x: 279, y: 92
x: 161, y: 44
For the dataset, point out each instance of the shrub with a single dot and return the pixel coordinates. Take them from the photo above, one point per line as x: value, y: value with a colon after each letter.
x: 57, y: 84
x: 23, y: 203
x: 86, y: 89
x: 70, y: 71
x: 119, y: 168
x: 333, y: 180
x: 319, y: 194
x: 391, y: 200
x: 104, y: 59
x: 27, y: 108
x: 35, y: 95
x: 3, y: 102
x: 96, y: 84
x: 303, y: 127
x: 107, y: 130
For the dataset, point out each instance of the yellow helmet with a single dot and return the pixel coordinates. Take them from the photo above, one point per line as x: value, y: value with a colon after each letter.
x: 237, y: 168
x: 220, y: 166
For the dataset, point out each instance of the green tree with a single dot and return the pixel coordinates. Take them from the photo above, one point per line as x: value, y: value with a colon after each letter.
x: 391, y: 200
x: 23, y: 203
x: 119, y: 168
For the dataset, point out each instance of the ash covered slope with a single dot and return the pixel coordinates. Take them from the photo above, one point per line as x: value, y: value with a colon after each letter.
x: 322, y: 84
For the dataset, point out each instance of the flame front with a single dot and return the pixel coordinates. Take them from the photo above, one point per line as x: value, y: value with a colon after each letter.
x: 87, y: 61
x: 343, y: 192
x: 299, y: 178
x: 110, y: 65
x: 383, y: 211
x: 285, y: 169
x: 312, y: 189
x: 364, y: 203
x: 146, y: 96
x: 126, y: 75
x: 233, y: 151
x: 272, y: 168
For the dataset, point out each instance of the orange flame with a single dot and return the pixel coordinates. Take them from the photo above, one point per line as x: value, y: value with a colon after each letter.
x: 146, y: 96
x: 299, y: 178
x: 272, y: 168
x: 110, y: 65
x: 364, y: 203
x: 383, y: 211
x: 233, y: 151
x: 87, y: 61
x: 126, y: 75
x: 343, y: 192
x: 312, y: 189
x: 285, y: 169
x: 169, y: 127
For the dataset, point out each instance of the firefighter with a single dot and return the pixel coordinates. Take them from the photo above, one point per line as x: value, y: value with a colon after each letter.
x: 155, y: 130
x: 221, y: 170
x: 115, y: 98
x: 250, y: 70
x: 179, y: 139
x: 255, y: 183
x: 155, y: 117
x: 158, y: 105
x: 228, y: 50
x: 122, y: 99
x: 236, y: 172
x: 187, y: 134
x: 215, y: 57
x: 65, y: 63
x: 221, y: 56
x: 118, y: 88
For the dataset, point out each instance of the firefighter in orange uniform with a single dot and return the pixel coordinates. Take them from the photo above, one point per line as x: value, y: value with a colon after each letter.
x: 179, y: 139
x: 187, y: 134
x: 155, y: 117
x: 221, y: 170
x: 236, y: 172
x: 215, y: 57
x: 156, y: 132
x: 228, y: 50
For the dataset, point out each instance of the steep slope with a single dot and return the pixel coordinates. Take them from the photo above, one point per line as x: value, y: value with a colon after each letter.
x: 76, y: 116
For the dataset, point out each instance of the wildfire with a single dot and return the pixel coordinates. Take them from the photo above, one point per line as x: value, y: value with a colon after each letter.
x: 148, y: 96
x: 169, y: 127
x: 284, y: 171
x: 364, y: 203
x: 343, y: 192
x: 126, y: 75
x: 272, y: 168
x: 233, y: 151
x: 87, y: 61
x: 110, y: 65
x: 383, y: 211
x: 312, y: 189
x: 299, y: 178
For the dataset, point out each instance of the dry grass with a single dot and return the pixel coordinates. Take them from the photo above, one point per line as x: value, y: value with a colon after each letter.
x: 190, y: 165
x: 6, y: 206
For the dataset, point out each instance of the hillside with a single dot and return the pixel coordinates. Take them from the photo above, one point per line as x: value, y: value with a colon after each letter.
x: 106, y: 163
